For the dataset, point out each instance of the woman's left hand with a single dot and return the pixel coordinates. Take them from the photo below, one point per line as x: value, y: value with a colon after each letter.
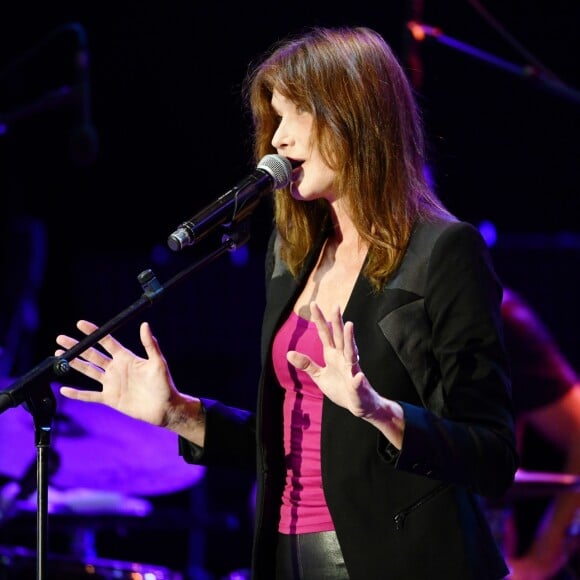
x: 341, y: 379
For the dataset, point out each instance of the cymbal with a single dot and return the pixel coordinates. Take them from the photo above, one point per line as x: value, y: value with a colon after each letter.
x: 89, y: 502
x: 97, y: 448
x: 540, y: 483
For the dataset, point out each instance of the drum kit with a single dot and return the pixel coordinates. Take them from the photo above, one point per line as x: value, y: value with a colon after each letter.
x: 103, y: 468
x: 530, y: 484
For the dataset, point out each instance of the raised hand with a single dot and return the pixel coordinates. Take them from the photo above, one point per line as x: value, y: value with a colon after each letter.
x: 341, y: 378
x: 139, y: 387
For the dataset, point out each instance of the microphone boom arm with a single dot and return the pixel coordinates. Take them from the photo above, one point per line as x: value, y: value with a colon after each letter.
x: 421, y: 32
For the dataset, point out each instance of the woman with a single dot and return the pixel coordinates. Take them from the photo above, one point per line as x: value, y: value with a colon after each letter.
x: 383, y: 406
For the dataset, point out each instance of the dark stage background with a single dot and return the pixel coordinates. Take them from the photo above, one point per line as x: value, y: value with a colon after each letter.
x: 83, y: 214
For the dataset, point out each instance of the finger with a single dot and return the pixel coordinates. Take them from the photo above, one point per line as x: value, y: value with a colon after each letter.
x: 110, y: 344
x: 86, y: 327
x: 65, y: 341
x: 149, y: 342
x: 337, y: 328
x: 93, y: 355
x: 68, y: 342
x: 322, y: 326
x: 302, y: 362
x: 89, y: 369
x: 350, y: 348
x: 79, y: 395
x: 91, y: 362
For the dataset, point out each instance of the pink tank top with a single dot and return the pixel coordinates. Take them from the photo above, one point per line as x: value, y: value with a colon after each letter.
x: 303, y: 506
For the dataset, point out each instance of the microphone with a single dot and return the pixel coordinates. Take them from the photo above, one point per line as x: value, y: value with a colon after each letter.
x: 84, y: 142
x: 272, y: 172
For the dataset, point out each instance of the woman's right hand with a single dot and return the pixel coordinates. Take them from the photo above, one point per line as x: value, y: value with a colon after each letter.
x: 141, y: 388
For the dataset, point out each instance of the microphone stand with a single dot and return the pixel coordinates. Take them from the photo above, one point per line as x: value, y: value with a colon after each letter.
x: 421, y: 32
x: 39, y: 398
x: 56, y: 98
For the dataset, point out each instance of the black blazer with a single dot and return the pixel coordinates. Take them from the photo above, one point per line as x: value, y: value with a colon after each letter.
x: 432, y: 340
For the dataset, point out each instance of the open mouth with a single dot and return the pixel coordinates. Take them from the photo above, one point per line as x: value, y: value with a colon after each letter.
x: 295, y: 163
x: 297, y: 173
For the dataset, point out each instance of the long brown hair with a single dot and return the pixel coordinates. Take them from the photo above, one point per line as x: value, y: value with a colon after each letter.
x: 368, y: 128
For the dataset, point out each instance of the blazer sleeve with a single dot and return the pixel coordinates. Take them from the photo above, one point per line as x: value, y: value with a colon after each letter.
x: 230, y: 438
x: 470, y: 440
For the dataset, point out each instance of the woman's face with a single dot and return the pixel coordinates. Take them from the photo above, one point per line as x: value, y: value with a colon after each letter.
x: 293, y: 139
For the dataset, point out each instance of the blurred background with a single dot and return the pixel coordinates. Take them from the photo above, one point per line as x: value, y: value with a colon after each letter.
x: 117, y: 123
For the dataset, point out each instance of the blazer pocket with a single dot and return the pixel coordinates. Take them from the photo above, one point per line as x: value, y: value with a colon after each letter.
x: 401, y: 516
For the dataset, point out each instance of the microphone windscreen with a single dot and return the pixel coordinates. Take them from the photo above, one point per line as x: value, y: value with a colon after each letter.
x: 278, y: 167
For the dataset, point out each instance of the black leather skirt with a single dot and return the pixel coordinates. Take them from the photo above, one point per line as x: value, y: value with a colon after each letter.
x: 315, y: 556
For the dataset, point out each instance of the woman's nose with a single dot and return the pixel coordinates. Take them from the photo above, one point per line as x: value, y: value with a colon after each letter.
x: 281, y: 137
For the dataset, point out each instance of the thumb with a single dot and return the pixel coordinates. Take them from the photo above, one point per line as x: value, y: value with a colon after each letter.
x: 302, y: 362
x: 149, y: 342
